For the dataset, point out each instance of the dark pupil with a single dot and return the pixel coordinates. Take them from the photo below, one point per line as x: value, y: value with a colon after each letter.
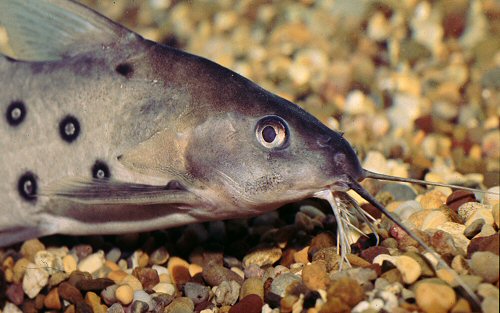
x: 269, y: 134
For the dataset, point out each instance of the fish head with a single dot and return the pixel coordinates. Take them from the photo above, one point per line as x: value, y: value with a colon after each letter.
x: 265, y: 151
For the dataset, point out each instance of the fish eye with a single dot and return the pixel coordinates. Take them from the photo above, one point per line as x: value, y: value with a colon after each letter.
x: 272, y: 132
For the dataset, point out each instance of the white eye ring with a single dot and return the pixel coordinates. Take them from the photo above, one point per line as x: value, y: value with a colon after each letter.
x: 272, y: 132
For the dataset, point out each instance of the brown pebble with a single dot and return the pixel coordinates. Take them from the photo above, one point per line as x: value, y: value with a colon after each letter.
x: 335, y: 305
x: 97, y: 284
x: 39, y: 299
x: 117, y: 276
x: 314, y: 275
x: 147, y: 276
x: 249, y: 304
x: 320, y: 241
x: 29, y: 307
x: 82, y: 307
x: 357, y: 261
x: 393, y: 276
x: 330, y: 256
x: 370, y: 209
x: 301, y: 256
x: 459, y: 197
x: 370, y: 253
x: 214, y: 275
x: 69, y: 293
x: 490, y: 243
x: 179, y: 270
x: 347, y: 290
x: 77, y: 276
x: 15, y: 293
x: 52, y: 300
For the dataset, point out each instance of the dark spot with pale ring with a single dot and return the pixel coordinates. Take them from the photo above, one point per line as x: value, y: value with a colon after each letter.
x: 16, y: 112
x: 125, y: 69
x: 100, y: 170
x: 69, y: 128
x: 27, y: 186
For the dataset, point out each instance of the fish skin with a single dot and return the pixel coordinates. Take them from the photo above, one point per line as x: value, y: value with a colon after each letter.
x: 153, y: 115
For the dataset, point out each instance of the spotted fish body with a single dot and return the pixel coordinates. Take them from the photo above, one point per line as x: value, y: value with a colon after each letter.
x: 106, y: 132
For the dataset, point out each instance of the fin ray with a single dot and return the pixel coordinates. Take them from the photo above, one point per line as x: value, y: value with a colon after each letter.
x: 99, y: 192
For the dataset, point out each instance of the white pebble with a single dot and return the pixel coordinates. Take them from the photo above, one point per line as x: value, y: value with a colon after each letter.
x: 11, y: 308
x: 141, y: 295
x: 34, y: 280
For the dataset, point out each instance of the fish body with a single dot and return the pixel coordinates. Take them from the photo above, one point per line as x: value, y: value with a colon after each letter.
x: 106, y: 132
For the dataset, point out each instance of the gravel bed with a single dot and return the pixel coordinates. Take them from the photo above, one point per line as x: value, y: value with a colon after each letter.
x: 415, y: 87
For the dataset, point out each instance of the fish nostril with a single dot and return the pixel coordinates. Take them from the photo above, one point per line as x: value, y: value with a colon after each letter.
x: 324, y: 141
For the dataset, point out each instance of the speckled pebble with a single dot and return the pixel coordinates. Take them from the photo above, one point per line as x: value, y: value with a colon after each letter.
x: 147, y: 276
x: 262, y: 256
x: 180, y: 305
x: 139, y: 307
x: 409, y: 268
x: 35, y: 278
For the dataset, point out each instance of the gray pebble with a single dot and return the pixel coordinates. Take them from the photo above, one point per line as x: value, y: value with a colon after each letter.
x: 116, y: 308
x: 474, y: 228
x: 196, y: 292
x: 227, y: 292
x: 280, y: 283
x: 400, y: 192
x: 139, y: 307
x: 407, y: 208
x: 108, y: 294
x: 114, y: 255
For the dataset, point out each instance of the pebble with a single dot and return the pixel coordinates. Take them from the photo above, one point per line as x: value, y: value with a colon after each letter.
x: 432, y: 199
x: 196, y: 292
x: 482, y: 213
x: 20, y: 269
x: 69, y: 293
x: 370, y: 253
x: 490, y: 243
x: 178, y: 270
x: 347, y: 292
x: 113, y: 255
x: 486, y: 265
x: 400, y: 192
x: 35, y: 278
x: 147, y: 276
x: 124, y: 294
x: 92, y: 262
x: 227, y: 292
x: 262, y: 257
x: 11, y: 308
x: 108, y: 294
x: 166, y: 288
x: 459, y: 197
x: 249, y: 304
x: 52, y: 300
x: 30, y: 248
x: 473, y: 229
x: 143, y: 296
x: 490, y: 305
x: 252, y: 285
x: 434, y: 296
x: 214, y: 275
x: 492, y: 198
x: 314, y: 275
x: 133, y: 282
x: 139, y: 307
x: 280, y: 283
x: 488, y: 290
x: 180, y: 305
x: 69, y: 263
x: 409, y: 268
x: 15, y: 294
x: 116, y: 308
x: 92, y: 299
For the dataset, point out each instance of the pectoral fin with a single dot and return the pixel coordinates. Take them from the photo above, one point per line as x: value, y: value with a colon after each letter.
x: 111, y: 192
